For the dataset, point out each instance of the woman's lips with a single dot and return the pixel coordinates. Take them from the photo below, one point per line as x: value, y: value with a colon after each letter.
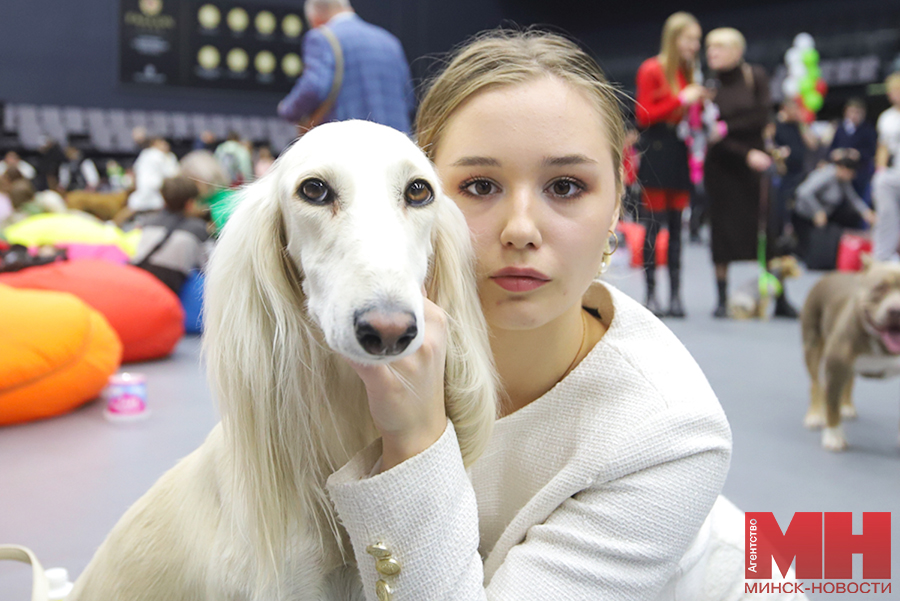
x: 516, y: 279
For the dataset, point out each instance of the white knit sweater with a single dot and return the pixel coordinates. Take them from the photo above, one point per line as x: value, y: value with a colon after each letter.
x: 594, y: 491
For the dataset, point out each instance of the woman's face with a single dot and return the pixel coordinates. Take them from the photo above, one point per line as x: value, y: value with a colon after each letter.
x: 723, y: 56
x: 688, y: 43
x: 530, y: 166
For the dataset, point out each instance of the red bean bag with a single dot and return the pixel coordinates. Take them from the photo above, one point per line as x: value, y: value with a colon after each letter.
x: 634, y: 237
x: 145, y: 314
x: 56, y: 353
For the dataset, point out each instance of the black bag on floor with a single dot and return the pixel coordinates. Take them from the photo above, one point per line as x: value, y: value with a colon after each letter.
x: 823, y: 247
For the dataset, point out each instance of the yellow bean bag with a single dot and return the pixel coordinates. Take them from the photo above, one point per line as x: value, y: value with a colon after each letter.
x: 56, y: 353
x: 58, y: 228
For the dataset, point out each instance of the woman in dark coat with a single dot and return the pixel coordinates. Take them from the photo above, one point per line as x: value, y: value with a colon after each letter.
x: 735, y: 162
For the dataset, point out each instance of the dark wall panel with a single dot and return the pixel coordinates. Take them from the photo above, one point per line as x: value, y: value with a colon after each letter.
x: 65, y: 51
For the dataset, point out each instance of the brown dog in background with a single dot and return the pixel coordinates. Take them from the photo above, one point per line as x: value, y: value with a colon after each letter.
x: 851, y: 325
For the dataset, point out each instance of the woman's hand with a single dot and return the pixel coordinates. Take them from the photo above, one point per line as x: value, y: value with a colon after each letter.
x: 758, y: 160
x: 820, y: 218
x: 870, y: 217
x: 692, y: 93
x: 406, y: 397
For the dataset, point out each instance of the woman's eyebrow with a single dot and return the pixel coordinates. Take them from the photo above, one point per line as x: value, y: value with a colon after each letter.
x: 569, y: 159
x: 476, y: 162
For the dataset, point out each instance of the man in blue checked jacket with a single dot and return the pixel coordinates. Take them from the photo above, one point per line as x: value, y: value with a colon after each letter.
x: 376, y: 81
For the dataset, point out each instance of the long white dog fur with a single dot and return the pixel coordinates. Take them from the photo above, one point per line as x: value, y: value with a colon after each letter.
x: 246, y: 515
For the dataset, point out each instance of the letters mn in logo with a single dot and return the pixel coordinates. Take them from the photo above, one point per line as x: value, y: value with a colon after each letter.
x: 806, y: 540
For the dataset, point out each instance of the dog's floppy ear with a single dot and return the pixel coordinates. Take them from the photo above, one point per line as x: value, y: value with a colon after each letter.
x: 257, y: 341
x: 470, y: 380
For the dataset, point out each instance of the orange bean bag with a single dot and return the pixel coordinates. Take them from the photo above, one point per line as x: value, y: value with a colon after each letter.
x: 145, y: 314
x: 56, y: 353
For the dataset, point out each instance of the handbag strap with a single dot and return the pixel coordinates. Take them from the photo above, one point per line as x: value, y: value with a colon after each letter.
x: 40, y: 590
x: 159, y: 244
x: 336, y: 83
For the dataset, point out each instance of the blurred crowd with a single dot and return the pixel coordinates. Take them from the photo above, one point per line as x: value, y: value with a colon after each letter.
x: 179, y: 203
x: 708, y: 148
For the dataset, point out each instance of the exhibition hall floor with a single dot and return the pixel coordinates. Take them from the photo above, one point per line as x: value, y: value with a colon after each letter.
x: 64, y: 482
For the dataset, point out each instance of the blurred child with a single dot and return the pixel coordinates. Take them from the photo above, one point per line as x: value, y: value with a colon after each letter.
x: 827, y: 196
x: 173, y: 244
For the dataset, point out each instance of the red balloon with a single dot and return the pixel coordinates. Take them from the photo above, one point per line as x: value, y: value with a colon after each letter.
x: 821, y: 87
x: 806, y: 115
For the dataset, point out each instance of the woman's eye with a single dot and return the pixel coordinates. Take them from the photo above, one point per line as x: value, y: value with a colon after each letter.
x: 315, y: 191
x: 480, y: 187
x: 565, y: 188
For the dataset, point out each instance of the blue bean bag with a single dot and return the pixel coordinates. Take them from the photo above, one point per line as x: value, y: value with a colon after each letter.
x: 192, y: 301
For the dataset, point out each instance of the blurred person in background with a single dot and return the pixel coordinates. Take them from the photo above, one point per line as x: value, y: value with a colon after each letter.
x: 792, y: 144
x: 886, y: 182
x: 827, y: 196
x: 374, y: 79
x: 665, y: 88
x: 214, y: 200
x: 735, y: 162
x: 264, y: 161
x: 855, y: 132
x: 235, y: 158
x: 12, y: 160
x: 153, y: 165
x: 173, y: 243
x: 78, y: 172
x: 50, y: 159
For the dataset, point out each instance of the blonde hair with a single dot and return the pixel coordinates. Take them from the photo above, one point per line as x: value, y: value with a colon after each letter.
x: 669, y: 56
x: 727, y: 36
x: 507, y: 57
x: 892, y: 80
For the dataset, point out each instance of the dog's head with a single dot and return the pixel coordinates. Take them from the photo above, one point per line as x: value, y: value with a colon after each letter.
x: 359, y: 203
x: 880, y: 301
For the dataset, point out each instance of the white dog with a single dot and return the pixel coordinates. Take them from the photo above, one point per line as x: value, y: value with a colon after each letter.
x: 326, y: 254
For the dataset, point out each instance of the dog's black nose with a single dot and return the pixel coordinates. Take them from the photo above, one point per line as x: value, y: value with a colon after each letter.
x: 385, y: 333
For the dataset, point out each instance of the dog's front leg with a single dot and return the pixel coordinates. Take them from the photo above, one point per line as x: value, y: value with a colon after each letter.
x: 848, y: 410
x: 838, y: 376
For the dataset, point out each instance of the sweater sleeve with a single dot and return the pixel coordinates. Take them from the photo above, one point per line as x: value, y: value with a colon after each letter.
x: 619, y: 537
x: 655, y: 100
x: 749, y: 123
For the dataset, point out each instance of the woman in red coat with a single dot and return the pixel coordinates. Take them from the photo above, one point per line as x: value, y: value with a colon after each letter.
x: 664, y: 89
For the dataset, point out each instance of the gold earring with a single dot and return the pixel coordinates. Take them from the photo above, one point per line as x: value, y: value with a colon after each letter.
x: 604, y: 262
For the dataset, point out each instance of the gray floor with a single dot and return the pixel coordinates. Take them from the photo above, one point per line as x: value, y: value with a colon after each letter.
x: 64, y: 482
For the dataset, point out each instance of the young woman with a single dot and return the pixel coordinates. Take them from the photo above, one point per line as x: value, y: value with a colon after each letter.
x: 664, y: 89
x: 611, y: 448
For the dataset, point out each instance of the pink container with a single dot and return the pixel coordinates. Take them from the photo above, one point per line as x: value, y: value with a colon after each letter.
x: 126, y: 398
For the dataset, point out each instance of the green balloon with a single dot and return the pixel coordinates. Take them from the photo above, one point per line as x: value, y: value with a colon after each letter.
x: 815, y: 73
x: 813, y: 101
x: 810, y: 58
x: 807, y: 85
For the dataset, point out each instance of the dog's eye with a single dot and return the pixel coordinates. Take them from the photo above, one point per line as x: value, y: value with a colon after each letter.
x: 315, y: 191
x: 419, y: 193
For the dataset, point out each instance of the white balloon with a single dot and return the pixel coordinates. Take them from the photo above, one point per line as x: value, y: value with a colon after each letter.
x: 804, y: 41
x: 797, y: 70
x: 793, y: 55
x: 790, y: 87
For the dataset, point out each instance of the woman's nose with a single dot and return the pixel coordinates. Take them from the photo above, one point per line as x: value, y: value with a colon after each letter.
x: 520, y: 227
